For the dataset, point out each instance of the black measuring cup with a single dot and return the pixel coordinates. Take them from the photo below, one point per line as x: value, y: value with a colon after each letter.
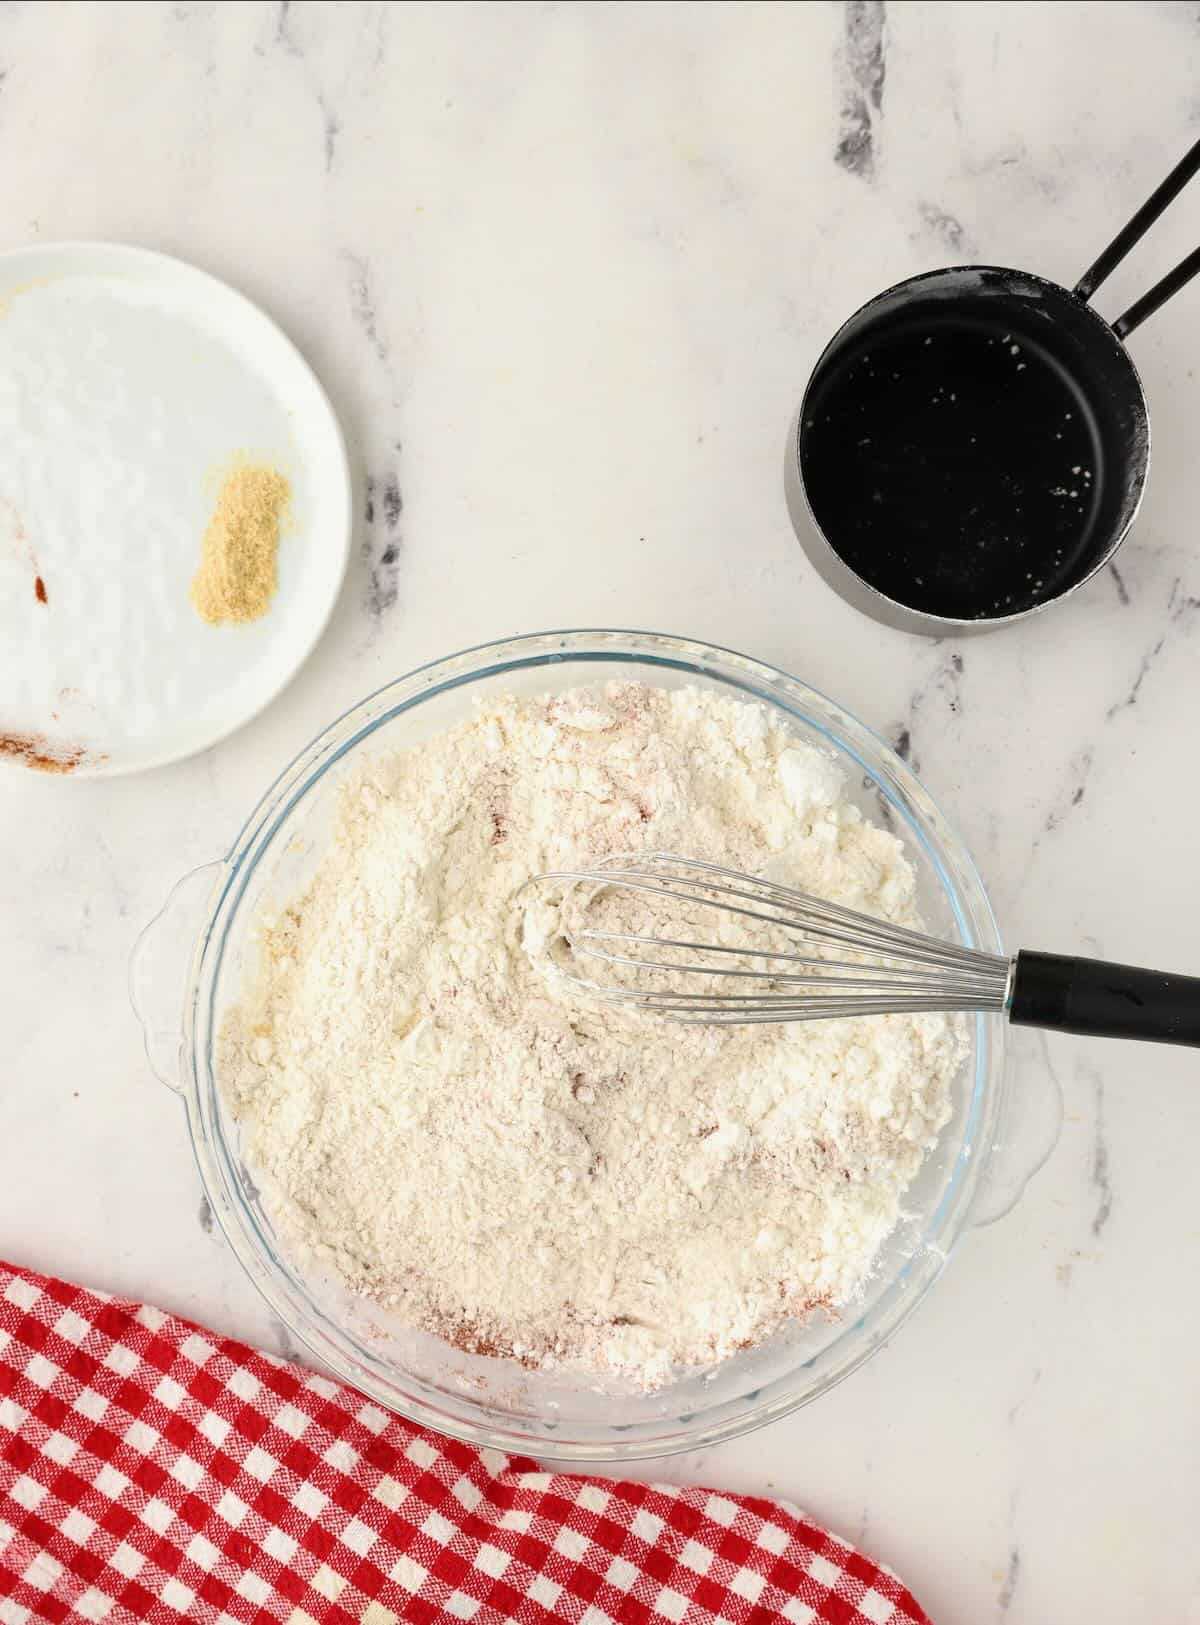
x: 974, y: 442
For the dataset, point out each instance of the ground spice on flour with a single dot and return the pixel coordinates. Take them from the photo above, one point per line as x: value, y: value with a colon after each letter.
x: 238, y: 566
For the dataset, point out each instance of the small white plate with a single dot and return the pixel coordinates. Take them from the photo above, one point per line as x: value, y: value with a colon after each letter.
x: 129, y: 384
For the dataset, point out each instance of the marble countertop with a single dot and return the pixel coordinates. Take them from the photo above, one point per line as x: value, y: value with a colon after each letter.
x: 564, y: 270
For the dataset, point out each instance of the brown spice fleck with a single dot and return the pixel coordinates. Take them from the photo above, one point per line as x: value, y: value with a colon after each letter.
x: 469, y: 1338
x: 39, y: 589
x: 37, y: 752
x: 499, y: 828
x: 238, y: 570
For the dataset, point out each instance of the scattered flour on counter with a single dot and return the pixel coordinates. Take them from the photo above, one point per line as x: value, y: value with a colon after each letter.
x: 431, y: 1116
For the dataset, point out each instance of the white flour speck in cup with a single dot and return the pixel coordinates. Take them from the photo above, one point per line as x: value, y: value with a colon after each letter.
x: 433, y: 1118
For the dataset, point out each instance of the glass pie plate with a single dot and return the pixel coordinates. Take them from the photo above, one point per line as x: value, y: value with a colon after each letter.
x: 187, y: 969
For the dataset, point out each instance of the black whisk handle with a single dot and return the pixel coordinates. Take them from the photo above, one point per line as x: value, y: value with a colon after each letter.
x: 1095, y: 998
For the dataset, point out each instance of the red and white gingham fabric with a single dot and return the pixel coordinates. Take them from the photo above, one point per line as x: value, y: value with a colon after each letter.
x: 152, y: 1471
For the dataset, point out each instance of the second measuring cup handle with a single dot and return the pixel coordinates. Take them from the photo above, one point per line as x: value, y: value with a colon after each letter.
x: 1101, y: 1000
x: 158, y: 970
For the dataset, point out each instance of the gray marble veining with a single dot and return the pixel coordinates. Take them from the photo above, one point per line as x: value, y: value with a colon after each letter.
x: 564, y: 270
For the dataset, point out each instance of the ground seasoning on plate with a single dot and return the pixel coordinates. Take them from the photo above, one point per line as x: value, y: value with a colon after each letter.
x: 237, y: 575
x: 42, y: 754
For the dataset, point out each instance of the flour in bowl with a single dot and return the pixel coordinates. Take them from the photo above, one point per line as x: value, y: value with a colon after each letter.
x: 434, y: 1118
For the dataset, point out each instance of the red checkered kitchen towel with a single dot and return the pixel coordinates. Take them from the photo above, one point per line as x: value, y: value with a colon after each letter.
x: 152, y: 1471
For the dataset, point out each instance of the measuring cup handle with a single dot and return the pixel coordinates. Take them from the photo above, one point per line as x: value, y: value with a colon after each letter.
x: 1159, y: 199
x: 158, y: 969
x: 1158, y: 295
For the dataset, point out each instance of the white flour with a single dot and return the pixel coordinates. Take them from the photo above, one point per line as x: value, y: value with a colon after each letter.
x: 432, y: 1117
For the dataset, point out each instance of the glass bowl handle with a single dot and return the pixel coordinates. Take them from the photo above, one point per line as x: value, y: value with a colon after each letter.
x: 1030, y: 1122
x: 158, y: 970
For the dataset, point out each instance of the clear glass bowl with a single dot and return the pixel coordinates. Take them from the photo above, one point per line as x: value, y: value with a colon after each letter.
x: 202, y: 941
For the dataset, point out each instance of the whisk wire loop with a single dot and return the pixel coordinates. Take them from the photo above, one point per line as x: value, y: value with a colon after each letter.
x: 851, y: 964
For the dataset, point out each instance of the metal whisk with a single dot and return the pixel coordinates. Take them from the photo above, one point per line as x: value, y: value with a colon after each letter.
x: 836, y: 962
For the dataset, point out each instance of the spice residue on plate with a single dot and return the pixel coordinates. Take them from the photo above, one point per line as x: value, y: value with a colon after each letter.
x: 21, y: 546
x: 40, y: 753
x: 239, y: 564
